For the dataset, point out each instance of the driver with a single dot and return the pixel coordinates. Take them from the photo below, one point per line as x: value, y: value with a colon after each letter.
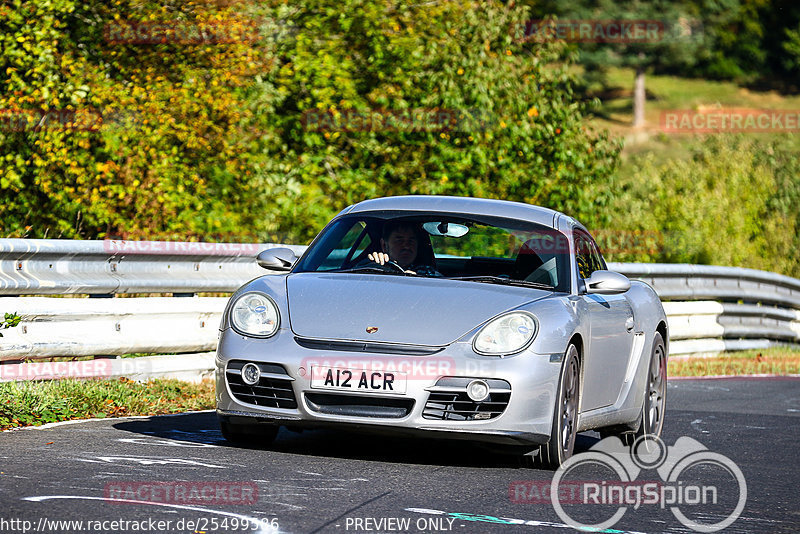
x: 400, y: 243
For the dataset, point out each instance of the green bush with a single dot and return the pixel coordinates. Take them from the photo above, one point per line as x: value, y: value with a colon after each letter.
x: 736, y: 201
x: 207, y: 141
x: 10, y: 320
x: 110, y: 137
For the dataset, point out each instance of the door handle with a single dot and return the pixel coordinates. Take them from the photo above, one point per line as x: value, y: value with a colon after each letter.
x: 629, y: 324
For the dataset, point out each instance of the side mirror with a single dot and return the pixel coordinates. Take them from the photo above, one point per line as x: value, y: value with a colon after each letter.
x: 607, y: 283
x: 277, y: 259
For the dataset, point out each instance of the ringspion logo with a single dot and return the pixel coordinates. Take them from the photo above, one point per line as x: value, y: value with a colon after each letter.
x: 705, y: 491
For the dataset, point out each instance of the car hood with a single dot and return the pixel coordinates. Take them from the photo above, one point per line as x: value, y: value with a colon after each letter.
x: 408, y: 310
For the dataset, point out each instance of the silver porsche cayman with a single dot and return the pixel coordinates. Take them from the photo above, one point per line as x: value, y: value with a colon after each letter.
x: 451, y: 317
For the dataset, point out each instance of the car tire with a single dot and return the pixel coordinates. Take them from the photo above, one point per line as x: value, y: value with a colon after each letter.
x: 655, y: 397
x: 651, y: 417
x: 249, y: 435
x: 565, y: 414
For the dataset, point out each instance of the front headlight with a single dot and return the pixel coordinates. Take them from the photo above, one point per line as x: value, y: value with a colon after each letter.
x: 254, y: 314
x: 507, y: 334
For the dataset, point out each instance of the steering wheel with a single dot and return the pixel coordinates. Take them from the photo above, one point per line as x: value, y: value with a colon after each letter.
x: 393, y: 264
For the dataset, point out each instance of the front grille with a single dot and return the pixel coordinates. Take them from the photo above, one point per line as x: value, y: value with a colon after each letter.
x: 448, y: 400
x: 334, y: 404
x: 273, y: 390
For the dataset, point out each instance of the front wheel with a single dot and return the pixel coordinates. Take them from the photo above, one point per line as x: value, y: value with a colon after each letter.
x: 565, y: 414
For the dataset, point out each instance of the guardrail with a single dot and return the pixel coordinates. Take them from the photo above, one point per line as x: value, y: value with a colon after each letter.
x: 713, y: 309
x: 710, y: 308
x: 60, y: 267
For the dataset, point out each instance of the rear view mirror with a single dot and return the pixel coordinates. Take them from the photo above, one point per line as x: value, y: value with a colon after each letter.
x: 446, y: 229
x: 277, y: 259
x: 607, y: 283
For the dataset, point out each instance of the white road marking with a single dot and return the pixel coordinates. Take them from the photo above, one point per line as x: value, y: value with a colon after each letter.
x: 153, y: 461
x: 696, y: 425
x: 165, y: 442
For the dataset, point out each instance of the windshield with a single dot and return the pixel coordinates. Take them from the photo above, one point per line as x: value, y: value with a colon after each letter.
x: 467, y: 247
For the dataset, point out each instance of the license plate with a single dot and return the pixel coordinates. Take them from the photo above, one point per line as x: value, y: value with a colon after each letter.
x: 364, y: 380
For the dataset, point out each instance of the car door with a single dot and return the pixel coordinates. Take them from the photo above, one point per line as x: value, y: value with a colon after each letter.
x: 611, y: 331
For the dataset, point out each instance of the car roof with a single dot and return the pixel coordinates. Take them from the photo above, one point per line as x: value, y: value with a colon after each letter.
x: 448, y: 204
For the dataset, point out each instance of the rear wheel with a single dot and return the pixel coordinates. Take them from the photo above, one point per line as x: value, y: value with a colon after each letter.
x: 655, y: 399
x: 565, y: 414
x: 248, y: 435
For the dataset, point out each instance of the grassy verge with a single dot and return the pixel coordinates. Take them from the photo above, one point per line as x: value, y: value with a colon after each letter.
x: 36, y: 403
x: 774, y: 361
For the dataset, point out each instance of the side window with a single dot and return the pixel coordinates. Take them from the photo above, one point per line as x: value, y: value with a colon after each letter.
x: 583, y: 256
x: 587, y: 256
x: 597, y: 258
x: 350, y: 246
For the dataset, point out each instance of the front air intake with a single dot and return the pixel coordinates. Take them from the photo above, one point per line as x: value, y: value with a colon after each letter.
x: 273, y: 389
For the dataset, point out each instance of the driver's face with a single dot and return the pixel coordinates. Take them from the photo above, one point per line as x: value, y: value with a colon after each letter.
x: 401, y: 246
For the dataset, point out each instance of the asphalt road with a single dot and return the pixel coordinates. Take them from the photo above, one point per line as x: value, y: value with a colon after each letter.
x: 326, y: 482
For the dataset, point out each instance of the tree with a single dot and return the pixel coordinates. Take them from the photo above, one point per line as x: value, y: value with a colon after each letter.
x: 127, y: 119
x: 136, y: 130
x: 518, y: 131
x: 674, y: 44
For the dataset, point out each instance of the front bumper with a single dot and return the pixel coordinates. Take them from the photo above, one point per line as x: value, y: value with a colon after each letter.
x: 526, y: 419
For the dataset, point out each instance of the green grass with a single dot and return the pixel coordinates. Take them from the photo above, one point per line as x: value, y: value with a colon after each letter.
x: 36, y: 403
x: 671, y: 93
x: 773, y: 361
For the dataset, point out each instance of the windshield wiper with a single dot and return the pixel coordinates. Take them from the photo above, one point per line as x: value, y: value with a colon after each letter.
x: 368, y: 269
x: 363, y: 270
x: 500, y: 280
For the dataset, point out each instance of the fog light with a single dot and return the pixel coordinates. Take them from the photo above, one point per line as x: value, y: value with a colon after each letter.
x: 251, y: 374
x: 478, y: 390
